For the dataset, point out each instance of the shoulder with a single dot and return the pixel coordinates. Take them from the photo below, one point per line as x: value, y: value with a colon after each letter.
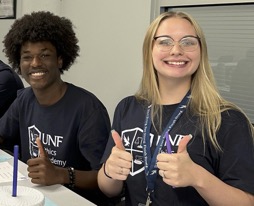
x: 25, y: 97
x: 233, y: 117
x: 234, y: 126
x: 5, y: 74
x: 25, y: 94
x: 4, y: 66
x: 130, y: 101
x: 130, y: 106
x: 9, y: 77
x: 78, y: 92
x: 82, y: 96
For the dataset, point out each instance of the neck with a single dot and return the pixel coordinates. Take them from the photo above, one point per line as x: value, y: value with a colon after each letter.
x: 50, y: 95
x: 173, y: 92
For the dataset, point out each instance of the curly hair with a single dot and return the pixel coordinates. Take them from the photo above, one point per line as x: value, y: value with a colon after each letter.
x: 42, y: 26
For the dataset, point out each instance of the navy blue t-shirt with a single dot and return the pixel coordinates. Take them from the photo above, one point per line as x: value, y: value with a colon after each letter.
x: 74, y: 131
x: 10, y: 83
x: 234, y: 165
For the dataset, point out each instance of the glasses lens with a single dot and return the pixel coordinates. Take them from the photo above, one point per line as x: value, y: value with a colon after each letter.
x: 189, y: 43
x: 164, y: 43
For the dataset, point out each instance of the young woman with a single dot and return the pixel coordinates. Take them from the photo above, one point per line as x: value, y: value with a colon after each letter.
x: 181, y: 142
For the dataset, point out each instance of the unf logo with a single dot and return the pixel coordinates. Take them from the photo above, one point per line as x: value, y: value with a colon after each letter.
x: 133, y: 143
x: 33, y: 133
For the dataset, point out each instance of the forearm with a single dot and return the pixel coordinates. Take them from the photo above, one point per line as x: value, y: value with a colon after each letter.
x: 86, y: 179
x: 83, y: 179
x: 108, y: 186
x: 216, y: 192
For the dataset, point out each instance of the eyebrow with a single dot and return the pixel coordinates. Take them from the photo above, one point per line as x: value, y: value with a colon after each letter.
x: 28, y: 51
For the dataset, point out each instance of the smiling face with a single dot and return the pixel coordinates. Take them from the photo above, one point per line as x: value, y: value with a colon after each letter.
x: 39, y: 64
x: 176, y: 63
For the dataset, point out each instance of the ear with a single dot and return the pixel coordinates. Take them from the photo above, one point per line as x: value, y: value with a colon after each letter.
x: 60, y: 62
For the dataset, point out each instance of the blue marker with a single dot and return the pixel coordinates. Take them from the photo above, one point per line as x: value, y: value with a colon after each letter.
x: 15, y: 170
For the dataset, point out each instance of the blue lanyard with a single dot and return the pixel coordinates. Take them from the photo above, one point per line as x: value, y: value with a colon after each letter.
x: 150, y: 162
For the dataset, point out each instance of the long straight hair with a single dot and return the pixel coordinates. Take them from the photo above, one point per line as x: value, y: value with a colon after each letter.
x: 205, y: 102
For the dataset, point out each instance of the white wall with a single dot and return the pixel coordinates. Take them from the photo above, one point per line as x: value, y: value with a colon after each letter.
x: 111, y: 34
x: 110, y: 37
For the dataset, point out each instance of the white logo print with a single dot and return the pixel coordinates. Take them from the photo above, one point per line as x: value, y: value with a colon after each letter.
x: 33, y: 133
x: 51, y: 145
x: 133, y: 141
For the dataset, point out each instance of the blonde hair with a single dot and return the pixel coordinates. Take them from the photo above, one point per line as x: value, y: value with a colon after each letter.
x: 206, y: 102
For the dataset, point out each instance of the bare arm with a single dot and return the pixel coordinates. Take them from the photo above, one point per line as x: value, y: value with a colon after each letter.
x: 216, y: 192
x: 180, y: 171
x: 109, y: 186
x: 115, y: 170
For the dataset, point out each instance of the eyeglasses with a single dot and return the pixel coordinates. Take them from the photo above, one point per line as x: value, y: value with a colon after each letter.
x: 187, y: 43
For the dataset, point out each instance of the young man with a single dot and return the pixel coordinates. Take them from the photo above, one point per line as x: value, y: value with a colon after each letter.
x: 63, y: 128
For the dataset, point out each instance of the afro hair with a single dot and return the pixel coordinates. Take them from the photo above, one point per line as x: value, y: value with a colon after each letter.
x: 42, y: 26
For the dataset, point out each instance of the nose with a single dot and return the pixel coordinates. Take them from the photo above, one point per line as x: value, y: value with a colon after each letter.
x: 36, y: 61
x: 176, y: 49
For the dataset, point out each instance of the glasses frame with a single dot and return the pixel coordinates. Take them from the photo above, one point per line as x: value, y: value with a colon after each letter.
x: 196, y: 37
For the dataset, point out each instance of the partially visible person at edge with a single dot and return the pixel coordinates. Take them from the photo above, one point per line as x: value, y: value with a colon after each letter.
x: 10, y: 83
x: 182, y: 143
x: 63, y: 128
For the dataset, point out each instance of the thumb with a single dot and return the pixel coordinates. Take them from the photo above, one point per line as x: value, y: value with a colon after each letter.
x: 42, y: 152
x: 183, y: 144
x: 117, y: 140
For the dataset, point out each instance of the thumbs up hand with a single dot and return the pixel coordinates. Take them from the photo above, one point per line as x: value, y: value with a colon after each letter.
x: 182, y: 147
x: 117, y: 140
x: 177, y: 169
x: 41, y: 149
x: 40, y: 169
x: 118, y: 164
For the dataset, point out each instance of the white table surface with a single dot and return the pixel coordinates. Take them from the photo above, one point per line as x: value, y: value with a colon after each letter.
x: 57, y: 194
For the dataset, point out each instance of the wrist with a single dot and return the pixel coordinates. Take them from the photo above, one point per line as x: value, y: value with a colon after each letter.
x: 62, y: 176
x: 199, y: 177
x: 72, y: 177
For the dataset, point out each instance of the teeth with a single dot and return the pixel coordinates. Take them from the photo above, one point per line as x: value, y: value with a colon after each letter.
x: 176, y: 63
x: 38, y: 73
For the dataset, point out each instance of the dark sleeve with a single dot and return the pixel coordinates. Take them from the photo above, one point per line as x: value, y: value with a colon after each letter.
x: 9, y: 127
x: 9, y: 84
x: 237, y: 160
x: 93, y: 135
x: 7, y: 90
x: 115, y: 126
